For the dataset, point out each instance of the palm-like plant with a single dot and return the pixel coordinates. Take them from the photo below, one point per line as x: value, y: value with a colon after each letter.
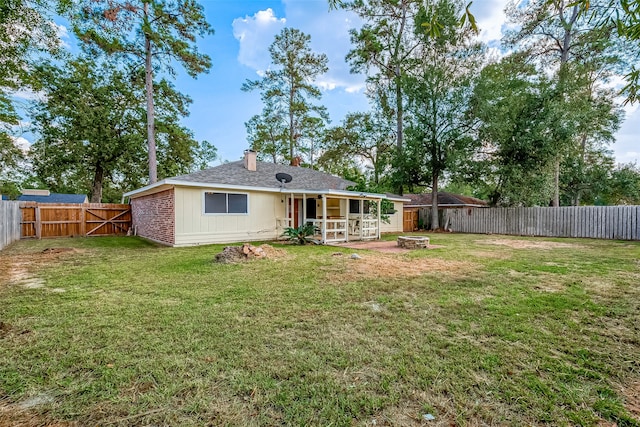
x: 302, y: 234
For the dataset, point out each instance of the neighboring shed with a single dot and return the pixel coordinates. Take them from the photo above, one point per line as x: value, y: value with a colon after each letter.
x: 445, y: 201
x: 243, y: 201
x: 44, y: 196
x: 419, y: 206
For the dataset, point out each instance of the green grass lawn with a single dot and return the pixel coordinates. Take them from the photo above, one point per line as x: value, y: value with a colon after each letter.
x: 486, y: 330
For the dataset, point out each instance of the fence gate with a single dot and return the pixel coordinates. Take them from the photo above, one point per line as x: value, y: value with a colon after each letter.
x: 42, y: 220
x: 410, y: 220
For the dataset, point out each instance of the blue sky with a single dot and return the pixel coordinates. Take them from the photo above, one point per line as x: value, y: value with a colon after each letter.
x: 244, y: 29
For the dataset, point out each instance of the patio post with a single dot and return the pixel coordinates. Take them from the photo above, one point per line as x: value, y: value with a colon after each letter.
x: 361, y: 218
x: 346, y: 224
x: 304, y: 209
x: 324, y: 219
x: 286, y: 210
x: 379, y: 217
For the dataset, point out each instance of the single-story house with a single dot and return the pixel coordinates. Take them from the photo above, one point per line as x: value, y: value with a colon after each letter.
x: 245, y: 201
x: 44, y: 196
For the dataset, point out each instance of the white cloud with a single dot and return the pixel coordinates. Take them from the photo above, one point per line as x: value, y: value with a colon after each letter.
x: 63, y: 35
x: 490, y: 17
x: 255, y: 34
x: 28, y: 95
x: 22, y: 143
x: 329, y: 31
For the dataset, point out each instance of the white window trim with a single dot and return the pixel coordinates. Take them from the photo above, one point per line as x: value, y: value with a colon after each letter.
x: 204, y: 193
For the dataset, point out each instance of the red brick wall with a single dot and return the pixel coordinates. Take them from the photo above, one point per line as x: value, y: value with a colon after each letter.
x: 154, y: 216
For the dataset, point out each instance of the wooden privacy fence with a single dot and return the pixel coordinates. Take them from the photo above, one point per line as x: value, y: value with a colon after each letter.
x: 42, y: 220
x: 598, y: 222
x: 9, y: 223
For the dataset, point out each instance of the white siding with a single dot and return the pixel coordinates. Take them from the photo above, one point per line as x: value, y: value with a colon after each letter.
x: 193, y: 227
x: 395, y: 220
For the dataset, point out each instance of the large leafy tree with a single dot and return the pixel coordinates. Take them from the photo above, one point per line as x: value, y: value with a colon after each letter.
x: 91, y: 135
x: 514, y: 104
x: 385, y: 49
x: 26, y: 33
x: 624, y: 187
x: 288, y: 91
x: 624, y: 16
x: 566, y: 43
x: 384, y: 46
x: 439, y: 135
x: 156, y: 33
x: 267, y: 135
x: 363, y: 138
x: 88, y: 127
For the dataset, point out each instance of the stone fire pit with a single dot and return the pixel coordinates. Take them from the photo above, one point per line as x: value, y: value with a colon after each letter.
x: 413, y: 242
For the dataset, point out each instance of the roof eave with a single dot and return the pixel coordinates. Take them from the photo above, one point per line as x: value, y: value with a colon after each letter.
x: 174, y: 182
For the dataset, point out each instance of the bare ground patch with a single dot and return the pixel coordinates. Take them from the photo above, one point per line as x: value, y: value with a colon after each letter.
x: 528, y: 244
x: 389, y: 246
x: 19, y: 269
x: 16, y: 415
x: 631, y: 393
x: 374, y: 265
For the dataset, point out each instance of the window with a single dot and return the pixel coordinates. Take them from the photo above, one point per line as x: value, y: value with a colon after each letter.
x: 226, y: 203
x: 354, y: 206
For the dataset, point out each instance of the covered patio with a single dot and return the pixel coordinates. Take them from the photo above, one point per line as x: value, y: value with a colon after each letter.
x: 339, y: 216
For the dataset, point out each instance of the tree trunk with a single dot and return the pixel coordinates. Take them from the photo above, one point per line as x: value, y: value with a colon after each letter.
x: 583, y: 161
x: 556, y: 184
x: 435, y: 223
x: 399, y: 127
x: 151, y: 133
x: 292, y: 137
x: 96, y: 188
x: 564, y: 59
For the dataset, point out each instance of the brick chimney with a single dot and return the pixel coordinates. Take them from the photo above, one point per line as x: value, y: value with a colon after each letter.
x: 250, y: 160
x: 296, y: 161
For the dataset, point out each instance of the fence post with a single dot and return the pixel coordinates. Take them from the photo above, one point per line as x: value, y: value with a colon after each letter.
x: 83, y: 224
x: 38, y: 224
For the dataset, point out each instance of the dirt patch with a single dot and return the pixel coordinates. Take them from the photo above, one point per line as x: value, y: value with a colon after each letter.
x: 15, y: 415
x: 382, y: 265
x: 54, y: 251
x: 631, y: 393
x: 19, y: 269
x: 380, y: 246
x: 528, y: 244
x: 247, y: 252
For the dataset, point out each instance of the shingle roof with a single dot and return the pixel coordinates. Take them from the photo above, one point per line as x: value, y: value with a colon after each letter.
x: 264, y: 176
x: 54, y: 198
x: 444, y: 199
